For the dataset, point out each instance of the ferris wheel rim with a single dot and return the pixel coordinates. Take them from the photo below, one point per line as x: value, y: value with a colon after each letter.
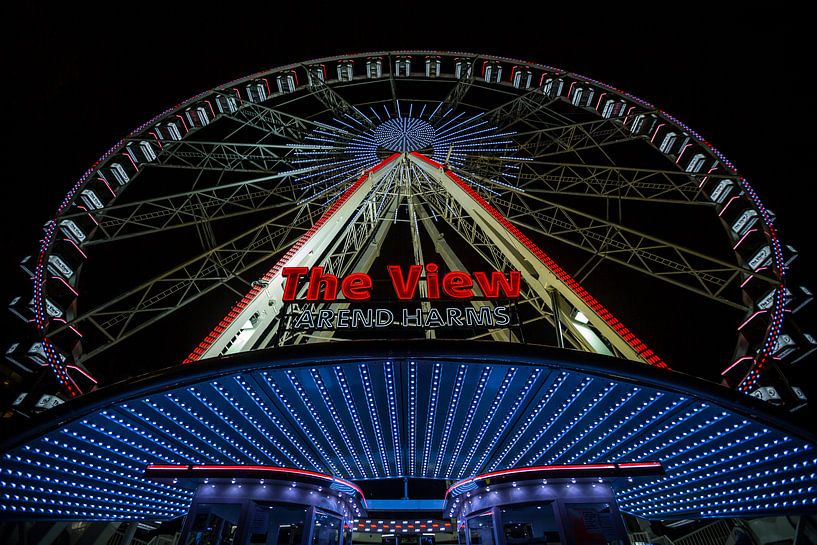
x: 72, y: 195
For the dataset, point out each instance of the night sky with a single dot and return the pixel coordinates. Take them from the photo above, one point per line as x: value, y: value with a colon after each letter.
x: 75, y: 83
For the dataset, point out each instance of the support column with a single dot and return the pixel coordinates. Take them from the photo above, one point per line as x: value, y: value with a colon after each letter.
x: 557, y: 317
x: 129, y: 533
x: 98, y: 533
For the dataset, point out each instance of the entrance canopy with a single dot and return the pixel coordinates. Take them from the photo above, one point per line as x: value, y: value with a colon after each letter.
x: 373, y: 410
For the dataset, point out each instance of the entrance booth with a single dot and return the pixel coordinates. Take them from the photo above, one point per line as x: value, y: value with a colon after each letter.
x: 261, y: 505
x: 547, y: 505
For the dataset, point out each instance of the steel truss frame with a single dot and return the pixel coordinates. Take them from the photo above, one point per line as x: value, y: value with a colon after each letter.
x: 549, y: 163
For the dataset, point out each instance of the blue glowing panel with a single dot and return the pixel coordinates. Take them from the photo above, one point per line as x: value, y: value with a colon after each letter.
x: 424, y: 416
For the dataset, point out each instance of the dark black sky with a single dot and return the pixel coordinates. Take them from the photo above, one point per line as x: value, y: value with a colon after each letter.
x: 75, y: 82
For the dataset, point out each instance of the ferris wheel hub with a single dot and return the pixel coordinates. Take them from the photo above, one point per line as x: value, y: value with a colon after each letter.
x: 404, y: 134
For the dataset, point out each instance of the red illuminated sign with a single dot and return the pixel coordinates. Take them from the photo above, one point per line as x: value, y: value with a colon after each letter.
x: 357, y: 286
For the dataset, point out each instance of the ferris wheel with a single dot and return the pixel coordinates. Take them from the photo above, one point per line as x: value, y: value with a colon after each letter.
x: 633, y: 235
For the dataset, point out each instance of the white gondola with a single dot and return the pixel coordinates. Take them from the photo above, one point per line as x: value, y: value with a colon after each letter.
x: 225, y: 104
x: 91, y: 199
x: 140, y: 152
x: 433, y: 67
x: 287, y: 82
x: 402, y: 67
x: 803, y: 298
x: 761, y: 258
x: 722, y: 190
x: 767, y: 393
x: 21, y: 309
x: 668, y: 141
x: 374, y: 67
x: 581, y: 96
x: 744, y: 222
x: 197, y: 116
x: 316, y: 74
x: 641, y: 123
x: 492, y: 72
x: 257, y: 91
x: 58, y: 265
x: 51, y: 308
x: 552, y: 87
x: 673, y: 142
x: 346, y: 70
x: 765, y: 302
x: 170, y: 130
x: 37, y: 354
x: 696, y: 163
x: 116, y: 173
x: 521, y: 77
x: 463, y: 68
x: 790, y: 254
x: 16, y: 354
x: 808, y: 344
x: 613, y: 108
x: 784, y: 346
x: 73, y: 231
x: 28, y: 265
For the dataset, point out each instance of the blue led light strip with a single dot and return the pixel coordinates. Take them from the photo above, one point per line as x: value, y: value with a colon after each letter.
x: 262, y: 431
x: 412, y: 417
x: 327, y: 400
x: 469, y: 418
x: 543, y: 401
x: 349, y: 403
x: 374, y: 417
x: 280, y: 426
x: 394, y: 421
x: 509, y: 416
x: 294, y: 414
x: 431, y: 416
x: 489, y: 418
x: 597, y: 400
x: 449, y: 418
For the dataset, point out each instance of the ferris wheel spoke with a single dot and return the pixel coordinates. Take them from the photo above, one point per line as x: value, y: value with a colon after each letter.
x: 270, y: 120
x: 574, y: 137
x: 549, y: 307
x: 338, y: 105
x: 457, y: 92
x: 530, y: 109
x: 658, y: 258
x: 204, y: 205
x: 127, y: 313
x: 542, y: 177
x: 232, y: 157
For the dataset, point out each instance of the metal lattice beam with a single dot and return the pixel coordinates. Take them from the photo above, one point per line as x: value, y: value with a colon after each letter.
x: 273, y: 121
x: 673, y: 263
x: 605, y: 181
x: 336, y: 103
x: 129, y: 312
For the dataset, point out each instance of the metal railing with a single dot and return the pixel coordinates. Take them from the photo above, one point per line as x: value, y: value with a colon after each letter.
x: 716, y: 533
x: 712, y: 534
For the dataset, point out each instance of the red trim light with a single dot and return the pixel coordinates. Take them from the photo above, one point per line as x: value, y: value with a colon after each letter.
x: 621, y: 330
x: 611, y: 470
x: 197, y: 471
x: 222, y: 326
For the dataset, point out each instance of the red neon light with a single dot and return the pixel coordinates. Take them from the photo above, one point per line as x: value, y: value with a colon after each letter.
x: 636, y: 465
x: 269, y: 469
x: 86, y: 375
x: 405, y: 287
x: 208, y: 341
x: 357, y: 286
x: 630, y: 338
x: 576, y: 467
